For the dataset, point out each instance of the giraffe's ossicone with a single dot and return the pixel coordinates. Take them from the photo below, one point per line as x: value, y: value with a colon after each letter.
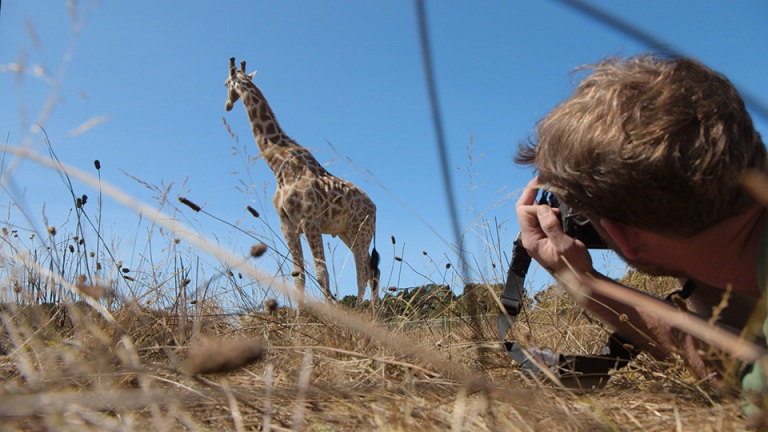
x: 309, y: 200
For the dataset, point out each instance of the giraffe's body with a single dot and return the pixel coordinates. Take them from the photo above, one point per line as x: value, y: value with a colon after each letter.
x: 309, y: 199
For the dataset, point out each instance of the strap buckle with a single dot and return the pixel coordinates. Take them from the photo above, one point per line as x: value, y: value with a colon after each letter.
x: 511, y: 306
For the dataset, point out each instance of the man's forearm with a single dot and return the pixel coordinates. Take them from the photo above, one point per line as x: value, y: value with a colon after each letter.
x: 628, y: 320
x: 653, y: 324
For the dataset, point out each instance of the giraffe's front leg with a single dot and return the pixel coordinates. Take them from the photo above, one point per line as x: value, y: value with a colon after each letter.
x: 292, y: 237
x: 315, y: 240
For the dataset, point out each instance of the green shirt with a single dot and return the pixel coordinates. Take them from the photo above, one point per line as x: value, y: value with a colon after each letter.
x: 754, y: 379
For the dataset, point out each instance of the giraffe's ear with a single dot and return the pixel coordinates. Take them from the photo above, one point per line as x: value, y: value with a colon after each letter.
x: 252, y: 74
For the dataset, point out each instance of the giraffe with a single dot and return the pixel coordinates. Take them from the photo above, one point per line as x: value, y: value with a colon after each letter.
x: 309, y: 199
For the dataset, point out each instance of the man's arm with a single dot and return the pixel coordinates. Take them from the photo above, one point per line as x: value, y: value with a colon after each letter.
x: 641, y: 325
x: 545, y: 241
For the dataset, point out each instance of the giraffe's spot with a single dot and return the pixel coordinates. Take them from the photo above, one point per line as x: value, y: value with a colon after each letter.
x: 264, y: 115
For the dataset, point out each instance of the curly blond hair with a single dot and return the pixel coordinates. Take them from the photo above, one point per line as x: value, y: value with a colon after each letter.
x: 658, y: 143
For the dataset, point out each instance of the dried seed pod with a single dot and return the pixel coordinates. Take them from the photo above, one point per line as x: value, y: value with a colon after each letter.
x: 270, y: 305
x: 95, y: 291
x: 258, y: 250
x: 221, y: 356
x: 190, y: 204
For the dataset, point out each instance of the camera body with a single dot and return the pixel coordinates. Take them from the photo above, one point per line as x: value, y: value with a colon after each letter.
x: 574, y: 224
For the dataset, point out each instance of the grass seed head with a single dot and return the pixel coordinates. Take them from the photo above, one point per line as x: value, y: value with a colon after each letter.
x: 258, y: 250
x: 252, y: 211
x: 270, y: 305
x: 217, y: 355
x: 190, y: 204
x: 95, y: 291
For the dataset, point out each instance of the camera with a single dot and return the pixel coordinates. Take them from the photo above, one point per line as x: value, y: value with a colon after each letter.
x: 574, y: 224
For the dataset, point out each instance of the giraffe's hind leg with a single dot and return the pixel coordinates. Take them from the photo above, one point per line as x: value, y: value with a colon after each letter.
x: 365, y: 272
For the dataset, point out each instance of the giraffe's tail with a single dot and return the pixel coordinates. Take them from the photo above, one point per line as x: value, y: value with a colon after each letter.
x: 374, y: 265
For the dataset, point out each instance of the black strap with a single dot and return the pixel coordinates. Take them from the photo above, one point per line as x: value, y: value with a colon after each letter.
x: 575, y: 371
x: 512, y: 297
x: 688, y: 287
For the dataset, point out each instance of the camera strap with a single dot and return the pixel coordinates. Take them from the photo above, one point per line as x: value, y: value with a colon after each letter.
x: 574, y: 371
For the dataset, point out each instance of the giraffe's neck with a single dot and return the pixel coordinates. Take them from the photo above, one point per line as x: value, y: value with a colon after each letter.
x: 266, y: 131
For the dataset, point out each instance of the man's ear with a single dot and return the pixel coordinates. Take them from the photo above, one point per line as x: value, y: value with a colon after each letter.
x: 626, y: 237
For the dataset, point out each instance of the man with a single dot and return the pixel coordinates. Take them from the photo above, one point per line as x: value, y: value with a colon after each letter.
x: 653, y: 150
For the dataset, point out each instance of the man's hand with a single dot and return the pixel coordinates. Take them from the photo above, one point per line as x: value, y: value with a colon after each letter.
x: 543, y: 236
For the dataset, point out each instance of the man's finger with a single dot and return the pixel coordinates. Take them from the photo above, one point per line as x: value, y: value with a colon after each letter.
x: 529, y: 223
x: 528, y: 197
x: 548, y: 221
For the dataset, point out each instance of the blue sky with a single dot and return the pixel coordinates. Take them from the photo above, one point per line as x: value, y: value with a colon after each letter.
x: 348, y: 73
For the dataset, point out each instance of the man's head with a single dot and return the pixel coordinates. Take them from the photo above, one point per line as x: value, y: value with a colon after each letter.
x: 653, y: 142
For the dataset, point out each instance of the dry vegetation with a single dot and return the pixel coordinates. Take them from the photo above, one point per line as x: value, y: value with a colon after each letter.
x: 66, y: 367
x: 87, y: 343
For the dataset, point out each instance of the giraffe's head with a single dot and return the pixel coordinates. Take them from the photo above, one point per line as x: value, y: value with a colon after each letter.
x: 235, y: 80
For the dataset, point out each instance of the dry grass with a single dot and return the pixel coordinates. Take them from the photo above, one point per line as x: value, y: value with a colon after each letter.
x: 67, y: 368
